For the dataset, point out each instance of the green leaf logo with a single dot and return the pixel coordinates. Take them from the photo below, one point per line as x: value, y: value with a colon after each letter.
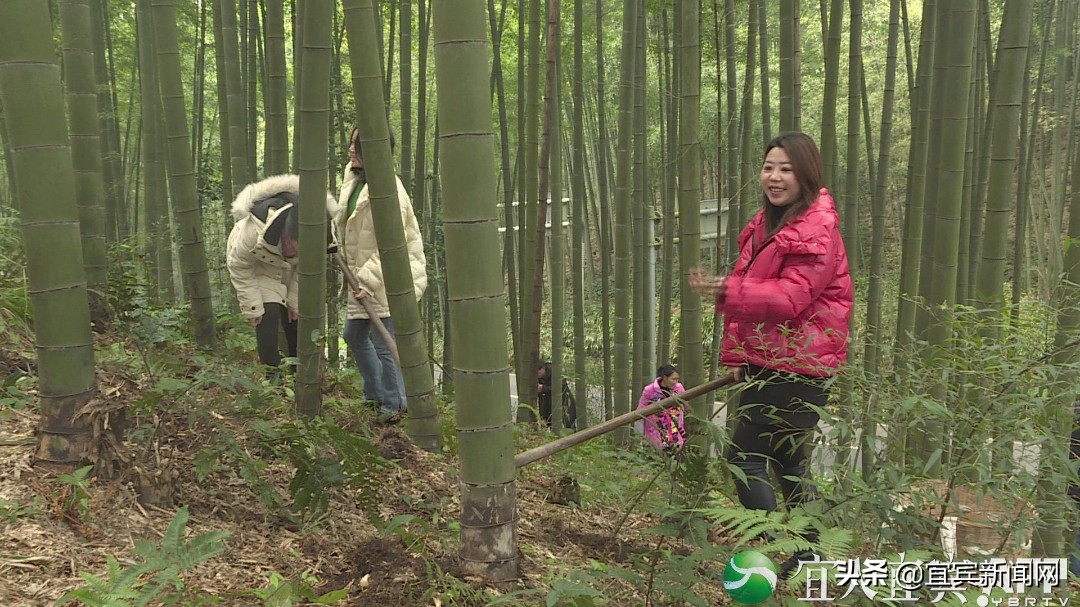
x: 750, y: 577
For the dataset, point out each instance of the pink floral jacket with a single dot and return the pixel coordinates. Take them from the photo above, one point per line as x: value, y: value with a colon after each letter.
x: 665, y: 429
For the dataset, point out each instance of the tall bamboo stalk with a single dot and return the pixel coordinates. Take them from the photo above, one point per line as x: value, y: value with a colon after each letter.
x: 116, y: 226
x: 829, y: 142
x: 874, y: 329
x: 669, y: 194
x: 1019, y: 267
x: 956, y: 38
x: 277, y: 119
x: 788, y: 79
x: 603, y: 169
x: 623, y: 212
x: 314, y: 106
x: 763, y: 61
x: 224, y: 145
x: 234, y: 98
x: 33, y: 102
x: 528, y: 211
x: 731, y: 185
x: 488, y: 545
x: 83, y: 127
x: 1010, y: 90
x: 850, y: 216
x: 916, y: 180
x: 641, y: 295
x: 387, y: 213
x: 157, y: 236
x: 509, y: 247
x: 185, y: 198
x: 690, y: 350
x: 577, y: 217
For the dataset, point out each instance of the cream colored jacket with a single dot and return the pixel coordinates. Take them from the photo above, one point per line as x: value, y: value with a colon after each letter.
x: 356, y: 234
x: 258, y: 272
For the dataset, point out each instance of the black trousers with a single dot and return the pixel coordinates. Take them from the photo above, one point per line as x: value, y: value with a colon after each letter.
x: 568, y: 403
x: 774, y: 429
x: 266, y: 335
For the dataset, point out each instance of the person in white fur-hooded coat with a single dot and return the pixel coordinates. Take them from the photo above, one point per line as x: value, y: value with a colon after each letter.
x: 262, y: 256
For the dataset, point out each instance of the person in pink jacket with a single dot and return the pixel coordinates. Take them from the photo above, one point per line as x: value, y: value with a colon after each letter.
x: 786, y: 306
x: 666, y: 429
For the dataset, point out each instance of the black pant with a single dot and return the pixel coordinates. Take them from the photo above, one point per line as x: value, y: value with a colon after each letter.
x: 774, y: 429
x: 568, y: 403
x: 266, y: 336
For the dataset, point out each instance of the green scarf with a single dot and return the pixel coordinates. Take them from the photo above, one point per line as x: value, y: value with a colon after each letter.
x: 351, y: 207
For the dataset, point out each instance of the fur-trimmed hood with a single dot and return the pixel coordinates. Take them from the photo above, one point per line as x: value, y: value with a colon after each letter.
x: 247, y: 202
x: 259, y: 271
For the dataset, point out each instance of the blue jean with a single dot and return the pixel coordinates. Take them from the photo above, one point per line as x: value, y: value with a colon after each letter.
x: 1074, y: 560
x: 1074, y: 556
x: 382, y: 378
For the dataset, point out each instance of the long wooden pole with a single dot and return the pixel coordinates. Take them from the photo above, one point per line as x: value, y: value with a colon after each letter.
x: 527, y: 457
x: 354, y: 284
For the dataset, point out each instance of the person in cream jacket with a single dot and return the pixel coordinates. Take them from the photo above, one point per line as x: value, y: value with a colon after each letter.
x: 262, y: 255
x: 355, y: 228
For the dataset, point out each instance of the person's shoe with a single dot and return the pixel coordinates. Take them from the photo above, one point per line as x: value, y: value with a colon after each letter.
x: 273, y: 375
x: 790, y: 567
x: 390, y: 419
x: 370, y: 403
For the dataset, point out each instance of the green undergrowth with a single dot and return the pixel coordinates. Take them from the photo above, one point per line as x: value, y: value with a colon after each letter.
x: 679, y: 515
x: 17, y: 377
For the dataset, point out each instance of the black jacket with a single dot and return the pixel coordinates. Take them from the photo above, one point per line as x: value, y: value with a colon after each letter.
x: 568, y: 402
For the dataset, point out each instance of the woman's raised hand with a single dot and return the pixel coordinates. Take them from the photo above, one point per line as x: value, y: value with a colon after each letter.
x: 707, y: 285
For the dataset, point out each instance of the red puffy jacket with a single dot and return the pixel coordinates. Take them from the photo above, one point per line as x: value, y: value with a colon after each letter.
x: 789, y: 298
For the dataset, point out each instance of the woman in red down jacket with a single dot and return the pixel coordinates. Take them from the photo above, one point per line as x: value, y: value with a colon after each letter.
x: 786, y: 306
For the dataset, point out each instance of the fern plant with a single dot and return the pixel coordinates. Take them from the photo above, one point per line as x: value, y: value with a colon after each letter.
x: 669, y: 574
x: 785, y: 532
x: 127, y: 288
x: 327, y: 456
x: 156, y: 572
x: 249, y: 468
x: 281, y: 592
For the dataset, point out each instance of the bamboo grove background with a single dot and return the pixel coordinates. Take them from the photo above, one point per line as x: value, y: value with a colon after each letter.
x: 948, y: 131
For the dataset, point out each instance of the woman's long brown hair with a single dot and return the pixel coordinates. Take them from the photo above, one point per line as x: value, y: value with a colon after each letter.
x: 809, y: 171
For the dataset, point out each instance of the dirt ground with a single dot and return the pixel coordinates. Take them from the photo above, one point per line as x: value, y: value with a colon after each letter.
x: 45, y: 546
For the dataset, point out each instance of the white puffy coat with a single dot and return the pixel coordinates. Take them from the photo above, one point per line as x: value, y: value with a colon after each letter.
x: 361, y: 249
x: 258, y: 271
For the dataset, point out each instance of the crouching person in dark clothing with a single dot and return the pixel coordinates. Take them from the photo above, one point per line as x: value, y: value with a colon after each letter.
x: 262, y: 256
x: 543, y: 391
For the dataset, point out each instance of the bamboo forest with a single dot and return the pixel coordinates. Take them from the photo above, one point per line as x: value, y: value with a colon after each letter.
x: 684, y: 302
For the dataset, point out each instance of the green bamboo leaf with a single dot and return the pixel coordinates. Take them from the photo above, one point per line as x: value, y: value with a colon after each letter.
x: 932, y: 461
